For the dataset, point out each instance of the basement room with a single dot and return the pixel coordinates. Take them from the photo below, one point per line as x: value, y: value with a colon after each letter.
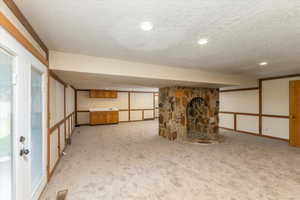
x: 152, y: 100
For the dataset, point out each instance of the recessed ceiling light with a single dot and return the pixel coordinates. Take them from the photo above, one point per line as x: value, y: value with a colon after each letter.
x: 202, y: 41
x: 263, y: 63
x: 146, y: 26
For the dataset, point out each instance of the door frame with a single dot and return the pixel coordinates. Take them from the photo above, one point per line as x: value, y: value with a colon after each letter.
x: 14, y: 152
x: 44, y: 73
x: 292, y: 134
x: 23, y: 63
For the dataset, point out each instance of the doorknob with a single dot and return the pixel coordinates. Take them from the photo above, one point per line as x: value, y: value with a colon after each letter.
x: 23, y: 151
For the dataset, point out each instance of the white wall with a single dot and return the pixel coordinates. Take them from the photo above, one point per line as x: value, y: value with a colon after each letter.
x: 241, y: 101
x: 246, y: 101
x: 275, y: 96
x: 61, y: 97
x: 226, y: 120
x: 70, y: 100
x: 56, y: 101
x: 275, y: 101
x: 156, y: 100
x: 12, y: 18
x: 139, y: 103
x: 275, y: 127
x: 247, y: 123
x: 141, y: 100
x: 98, y: 65
x: 84, y: 102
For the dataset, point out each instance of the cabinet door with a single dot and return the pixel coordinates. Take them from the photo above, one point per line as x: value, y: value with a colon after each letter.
x: 103, y: 94
x: 112, y: 117
x: 98, y: 118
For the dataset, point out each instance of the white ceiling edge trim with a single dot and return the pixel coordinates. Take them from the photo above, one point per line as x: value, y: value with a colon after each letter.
x: 99, y: 65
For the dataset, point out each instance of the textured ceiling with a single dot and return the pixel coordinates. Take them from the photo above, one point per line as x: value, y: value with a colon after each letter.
x: 241, y: 33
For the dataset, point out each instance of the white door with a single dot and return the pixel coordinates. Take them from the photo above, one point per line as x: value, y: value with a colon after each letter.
x: 6, y: 126
x: 23, y: 129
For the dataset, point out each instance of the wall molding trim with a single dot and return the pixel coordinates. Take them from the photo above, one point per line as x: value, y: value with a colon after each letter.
x: 279, y: 77
x: 276, y: 116
x: 14, y: 32
x: 239, y: 113
x: 129, y: 109
x: 254, y: 134
x: 22, y: 19
x: 239, y: 89
x: 86, y: 90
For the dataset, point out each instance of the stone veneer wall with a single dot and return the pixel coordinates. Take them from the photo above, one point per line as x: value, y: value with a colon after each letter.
x: 173, y: 102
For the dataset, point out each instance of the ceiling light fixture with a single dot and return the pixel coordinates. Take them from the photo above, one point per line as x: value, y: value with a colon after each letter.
x: 202, y: 41
x: 263, y: 63
x: 146, y: 26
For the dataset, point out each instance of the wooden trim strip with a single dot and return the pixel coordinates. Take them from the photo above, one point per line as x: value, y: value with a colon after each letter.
x: 66, y: 120
x: 260, y: 107
x: 276, y: 138
x: 141, y: 109
x: 235, y: 121
x: 19, y: 15
x: 53, y: 75
x: 279, y: 77
x: 86, y: 90
x: 276, y: 116
x: 129, y: 106
x: 52, y: 129
x: 229, y: 129
x: 247, y: 132
x: 72, y: 87
x: 255, y: 134
x: 239, y: 89
x: 238, y: 113
x: 122, y: 110
x: 76, y: 119
x: 9, y: 27
x: 154, y: 105
x: 60, y: 122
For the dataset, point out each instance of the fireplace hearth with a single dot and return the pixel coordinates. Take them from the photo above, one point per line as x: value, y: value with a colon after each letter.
x: 189, y: 114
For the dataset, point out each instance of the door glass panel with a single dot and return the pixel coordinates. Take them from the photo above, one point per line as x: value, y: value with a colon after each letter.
x: 36, y: 130
x: 6, y: 96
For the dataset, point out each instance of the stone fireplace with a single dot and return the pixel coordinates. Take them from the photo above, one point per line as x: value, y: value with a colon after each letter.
x: 189, y: 114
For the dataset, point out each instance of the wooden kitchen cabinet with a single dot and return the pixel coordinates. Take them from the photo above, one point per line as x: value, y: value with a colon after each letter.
x: 104, y: 117
x: 103, y: 94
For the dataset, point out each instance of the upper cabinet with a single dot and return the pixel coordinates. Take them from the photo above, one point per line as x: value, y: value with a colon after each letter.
x: 103, y: 94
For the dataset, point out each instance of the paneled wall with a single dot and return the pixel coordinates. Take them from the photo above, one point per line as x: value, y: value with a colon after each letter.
x: 245, y: 101
x: 61, y: 119
x: 239, y: 110
x: 133, y: 106
x: 156, y: 98
x: 275, y: 107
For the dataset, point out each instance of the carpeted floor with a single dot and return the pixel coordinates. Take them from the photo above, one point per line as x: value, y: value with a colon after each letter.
x: 130, y: 161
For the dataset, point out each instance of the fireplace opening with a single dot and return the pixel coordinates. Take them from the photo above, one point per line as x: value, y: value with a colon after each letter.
x: 198, y: 119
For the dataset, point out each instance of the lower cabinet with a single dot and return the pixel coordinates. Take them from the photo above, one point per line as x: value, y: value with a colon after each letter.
x: 104, y: 117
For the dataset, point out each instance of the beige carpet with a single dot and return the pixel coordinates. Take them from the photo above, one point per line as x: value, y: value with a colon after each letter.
x: 130, y: 161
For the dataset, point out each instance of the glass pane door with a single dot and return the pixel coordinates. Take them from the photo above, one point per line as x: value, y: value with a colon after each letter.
x: 6, y: 101
x: 36, y: 137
